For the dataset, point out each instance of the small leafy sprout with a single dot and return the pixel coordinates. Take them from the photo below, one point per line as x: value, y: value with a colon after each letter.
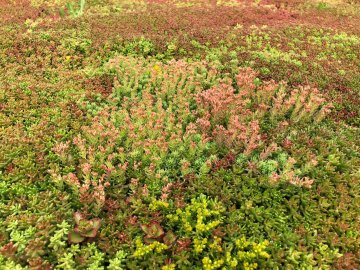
x: 76, y: 12
x: 152, y: 230
x: 83, y: 228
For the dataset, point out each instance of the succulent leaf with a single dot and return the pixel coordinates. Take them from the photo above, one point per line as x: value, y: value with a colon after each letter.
x: 75, y: 237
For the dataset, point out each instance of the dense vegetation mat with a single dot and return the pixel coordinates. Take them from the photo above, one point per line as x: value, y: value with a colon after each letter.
x: 179, y: 134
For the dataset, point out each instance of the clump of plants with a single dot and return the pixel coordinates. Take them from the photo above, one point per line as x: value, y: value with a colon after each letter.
x: 178, y: 135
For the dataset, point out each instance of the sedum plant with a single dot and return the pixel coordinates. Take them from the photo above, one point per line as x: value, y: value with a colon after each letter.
x: 83, y: 228
x: 76, y: 12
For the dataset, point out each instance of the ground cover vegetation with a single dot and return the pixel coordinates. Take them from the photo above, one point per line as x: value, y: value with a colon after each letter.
x: 179, y: 134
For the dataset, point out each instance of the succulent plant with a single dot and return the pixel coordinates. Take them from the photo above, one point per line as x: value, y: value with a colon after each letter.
x: 153, y: 231
x: 83, y: 228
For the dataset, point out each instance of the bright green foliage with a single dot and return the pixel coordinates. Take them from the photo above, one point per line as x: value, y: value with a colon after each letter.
x: 58, y: 240
x: 76, y: 12
x: 118, y: 262
x: 198, y: 217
